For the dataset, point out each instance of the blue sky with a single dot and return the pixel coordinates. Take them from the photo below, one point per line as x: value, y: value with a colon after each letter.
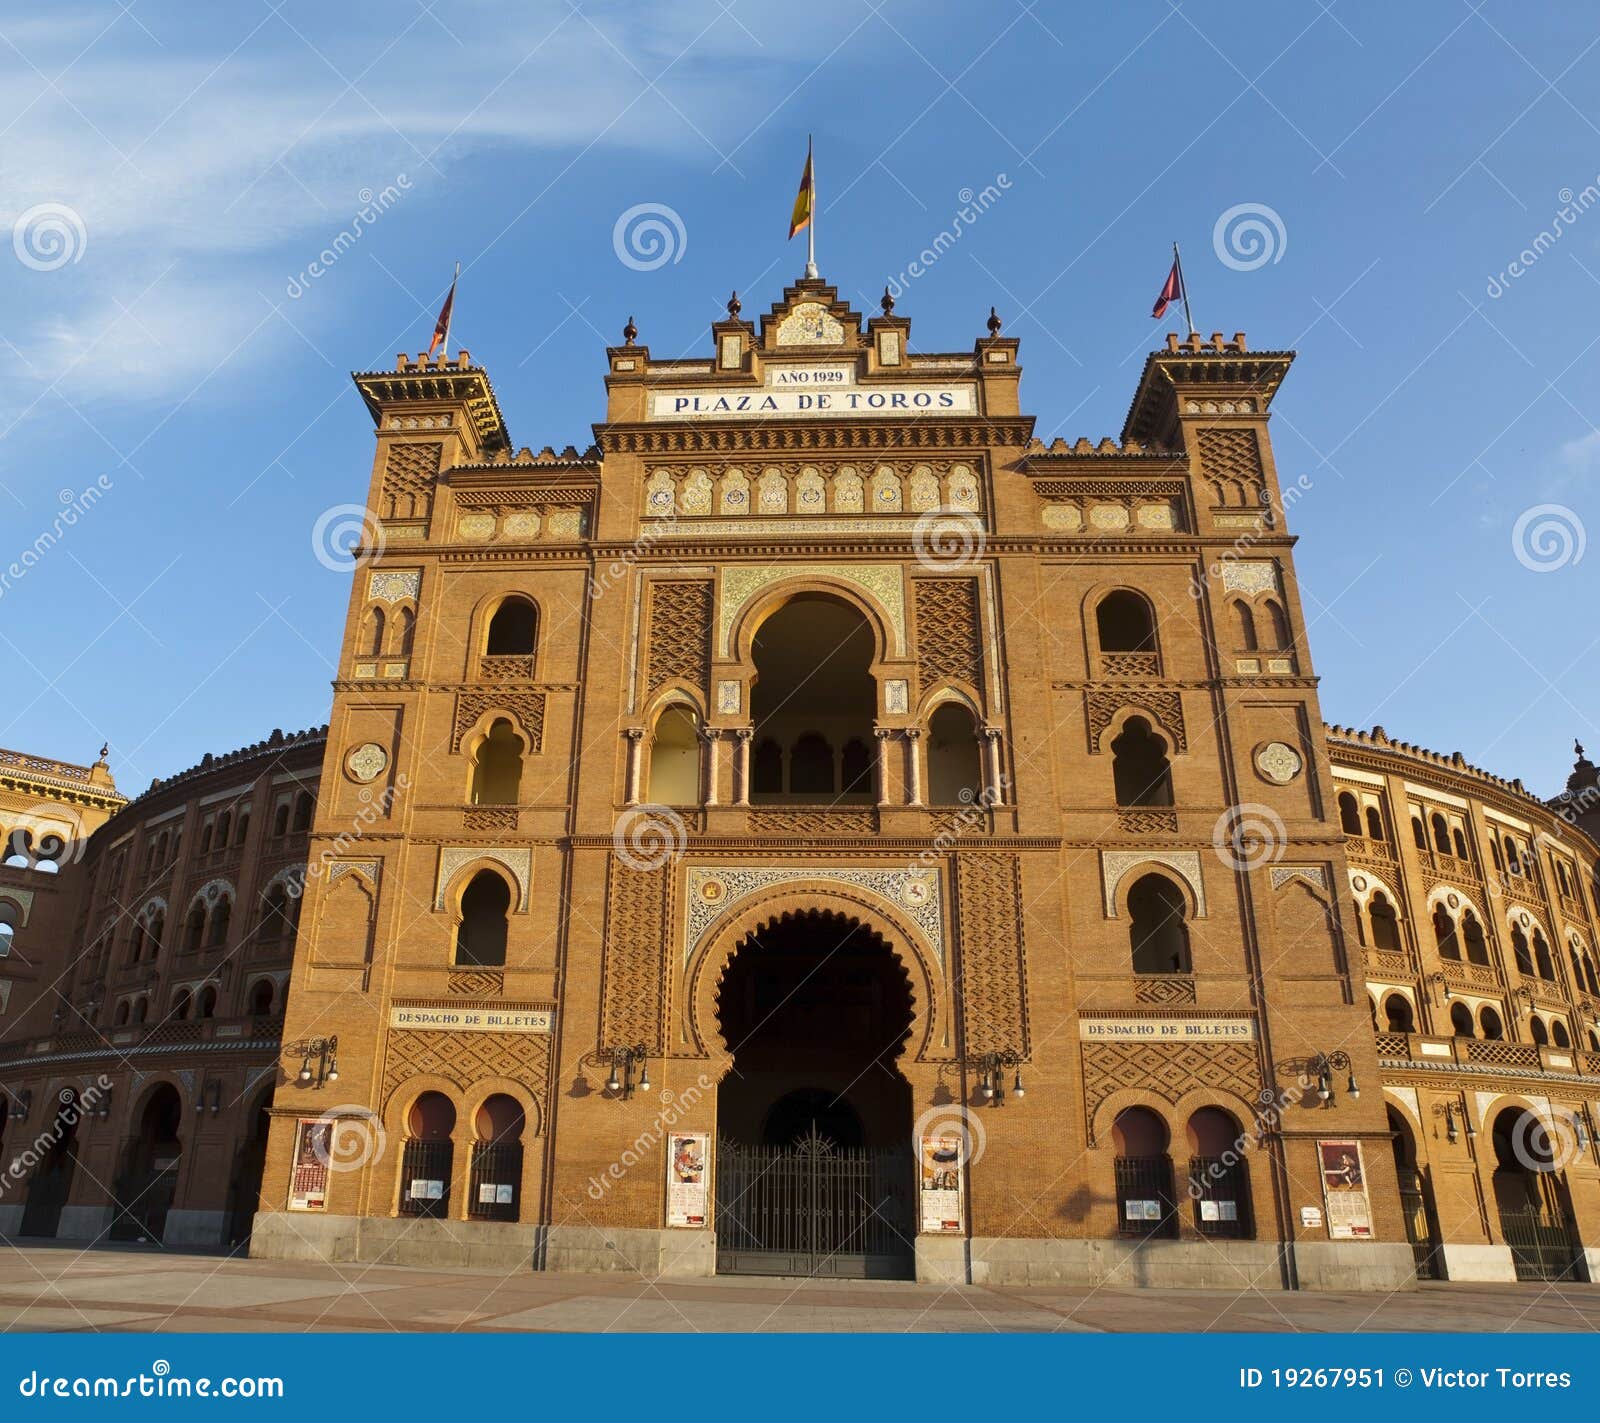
x: 207, y: 154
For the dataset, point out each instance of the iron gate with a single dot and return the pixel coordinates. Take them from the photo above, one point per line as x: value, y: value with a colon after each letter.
x: 814, y: 1208
x: 1419, y: 1229
x: 1541, y: 1247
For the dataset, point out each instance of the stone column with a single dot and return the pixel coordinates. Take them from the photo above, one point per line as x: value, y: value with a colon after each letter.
x: 993, y: 781
x: 712, y: 738
x: 744, y: 735
x: 883, y: 734
x: 913, y: 735
x: 635, y: 735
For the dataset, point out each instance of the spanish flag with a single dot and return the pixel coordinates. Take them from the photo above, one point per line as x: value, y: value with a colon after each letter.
x: 801, y: 216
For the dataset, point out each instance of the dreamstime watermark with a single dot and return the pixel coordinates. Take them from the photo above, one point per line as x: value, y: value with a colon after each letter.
x: 373, y: 206
x: 1548, y: 537
x: 347, y: 536
x: 373, y: 809
x: 648, y: 236
x: 1268, y: 1118
x: 74, y: 1107
x: 1249, y: 836
x: 973, y: 815
x: 1241, y: 546
x: 73, y: 507
x: 45, y: 837
x: 1547, y: 1143
x: 49, y: 236
x: 643, y: 1147
x: 973, y: 206
x: 1248, y: 236
x: 647, y: 837
x: 948, y: 540
x: 160, y: 1382
x: 953, y: 1121
x: 1573, y: 206
x: 355, y: 1138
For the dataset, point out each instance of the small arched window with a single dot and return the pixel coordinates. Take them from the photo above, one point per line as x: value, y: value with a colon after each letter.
x: 1278, y: 622
x: 766, y: 768
x: 302, y: 811
x: 1374, y: 823
x: 1385, y: 923
x: 194, y: 927
x: 513, y: 630
x: 675, y: 758
x: 497, y: 766
x: 1140, y: 771
x: 181, y: 1003
x: 481, y: 934
x: 122, y: 1014
x: 371, y: 643
x: 1476, y: 945
x: 1145, y: 1200
x: 1157, y: 932
x: 1461, y: 1020
x: 1418, y: 834
x: 1244, y: 622
x: 425, y: 1165
x: 280, y: 821
x: 1441, y: 833
x: 1519, y: 951
x: 955, y: 768
x: 1558, y: 1033
x: 1513, y: 859
x: 1458, y: 842
x: 1397, y: 1013
x: 405, y: 627
x: 141, y: 1009
x: 855, y: 762
x: 811, y: 766
x: 1493, y: 1029
x: 1541, y: 956
x: 261, y: 998
x: 221, y: 917
x: 1125, y: 623
x: 207, y: 1002
x: 1538, y: 1031
x: 206, y: 832
x: 1349, y: 814
x: 1444, y: 933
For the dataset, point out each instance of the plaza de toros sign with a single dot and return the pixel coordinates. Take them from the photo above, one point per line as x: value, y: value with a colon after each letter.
x: 827, y: 390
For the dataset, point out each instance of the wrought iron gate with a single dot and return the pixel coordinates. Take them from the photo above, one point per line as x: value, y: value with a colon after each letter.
x: 1541, y: 1246
x: 814, y: 1208
x: 1419, y: 1228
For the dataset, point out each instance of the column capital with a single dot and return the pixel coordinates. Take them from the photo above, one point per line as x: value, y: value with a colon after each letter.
x: 634, y: 733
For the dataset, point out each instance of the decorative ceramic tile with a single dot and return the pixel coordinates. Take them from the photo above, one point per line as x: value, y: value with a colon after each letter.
x: 519, y: 862
x: 391, y: 585
x: 1114, y: 864
x: 881, y: 581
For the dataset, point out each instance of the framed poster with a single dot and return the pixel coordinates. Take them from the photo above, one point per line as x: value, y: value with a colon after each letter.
x: 688, y: 1155
x: 1344, y: 1190
x: 308, y: 1174
x: 940, y: 1166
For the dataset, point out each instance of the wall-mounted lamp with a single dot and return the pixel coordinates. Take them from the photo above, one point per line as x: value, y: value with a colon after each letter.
x: 1439, y: 981
x: 1324, y: 1065
x: 1524, y: 995
x: 991, y: 1068
x: 210, y: 1096
x: 1580, y: 1128
x: 1447, y: 1110
x: 21, y: 1105
x: 319, y: 1060
x: 623, y: 1061
x: 103, y: 1107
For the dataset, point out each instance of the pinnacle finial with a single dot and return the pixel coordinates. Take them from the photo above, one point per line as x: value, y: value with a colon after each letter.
x: 1577, y: 746
x: 734, y: 307
x: 994, y: 322
x: 887, y: 302
x: 630, y: 333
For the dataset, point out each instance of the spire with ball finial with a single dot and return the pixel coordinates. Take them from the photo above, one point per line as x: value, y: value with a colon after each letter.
x: 734, y: 307
x: 630, y: 333
x: 887, y: 302
x: 994, y: 322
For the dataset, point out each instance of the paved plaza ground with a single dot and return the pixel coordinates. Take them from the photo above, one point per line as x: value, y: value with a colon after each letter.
x: 137, y: 1290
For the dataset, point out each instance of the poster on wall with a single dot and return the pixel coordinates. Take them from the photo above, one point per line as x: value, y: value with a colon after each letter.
x: 688, y: 1155
x: 308, y: 1176
x: 1344, y: 1190
x: 940, y: 1165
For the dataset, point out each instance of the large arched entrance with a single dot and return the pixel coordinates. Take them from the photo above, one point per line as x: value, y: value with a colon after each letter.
x: 50, y: 1183
x: 1531, y: 1198
x: 244, y: 1186
x: 149, y: 1177
x: 1416, y: 1199
x: 814, y: 1172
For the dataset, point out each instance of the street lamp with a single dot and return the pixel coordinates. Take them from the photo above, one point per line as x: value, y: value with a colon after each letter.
x: 319, y: 1060
x: 623, y: 1060
x: 991, y: 1068
x: 1324, y: 1065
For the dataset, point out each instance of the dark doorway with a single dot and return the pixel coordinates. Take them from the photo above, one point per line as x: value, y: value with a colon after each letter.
x: 814, y: 1170
x: 1531, y: 1198
x: 149, y: 1177
x: 244, y: 1187
x: 52, y: 1181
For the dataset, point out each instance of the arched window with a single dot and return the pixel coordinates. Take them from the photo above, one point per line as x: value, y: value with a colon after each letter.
x: 261, y: 998
x: 275, y: 915
x: 513, y: 630
x: 1494, y: 850
x: 1278, y: 622
x: 1493, y: 1029
x: 155, y: 930
x: 1125, y: 623
x: 1397, y: 1012
x: 224, y: 829
x: 495, y: 1192
x: 855, y: 762
x: 426, y: 1161
x: 955, y: 769
x: 1461, y: 1020
x: 1219, y: 1180
x: 221, y: 917
x: 194, y: 927
x: 243, y: 828
x: 675, y: 758
x: 1538, y: 1031
x: 1145, y: 1204
x: 811, y: 766
x: 1418, y: 834
x: 1349, y: 814
x: 302, y: 811
x: 1458, y: 842
x: 1541, y: 957
x: 1374, y: 823
x: 371, y: 644
x: 1386, y: 924
x: 1594, y: 1039
x: 1140, y: 771
x: 1589, y: 981
x: 181, y: 1003
x: 122, y: 1014
x: 1159, y: 937
x: 207, y: 1002
x: 481, y: 934
x: 497, y: 766
x: 1245, y: 625
x: 206, y: 832
x: 1519, y: 951
x: 1472, y: 937
x: 1441, y: 833
x: 1513, y: 859
x: 141, y: 1009
x: 766, y: 768
x: 1558, y: 1033
x: 1361, y: 922
x: 1444, y: 933
x: 405, y: 627
x: 280, y: 821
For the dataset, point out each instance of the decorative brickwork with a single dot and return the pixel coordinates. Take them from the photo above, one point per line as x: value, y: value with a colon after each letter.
x: 1165, y: 988
x: 992, y: 968
x: 634, y: 997
x: 680, y: 634
x: 477, y: 983
x: 949, y: 634
x: 468, y: 1058
x: 1103, y: 704
x: 1230, y: 464
x: 408, y: 477
x: 1169, y: 1071
x: 526, y: 708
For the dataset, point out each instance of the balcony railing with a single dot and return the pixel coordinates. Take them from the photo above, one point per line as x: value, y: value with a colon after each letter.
x: 1487, y: 1053
x: 1130, y: 664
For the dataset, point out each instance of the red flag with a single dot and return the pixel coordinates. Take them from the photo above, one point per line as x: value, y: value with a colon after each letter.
x: 441, y: 328
x: 1172, y: 291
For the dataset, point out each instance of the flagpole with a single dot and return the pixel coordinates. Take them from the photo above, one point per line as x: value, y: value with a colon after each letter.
x: 451, y: 318
x: 811, y: 227
x: 1183, y: 283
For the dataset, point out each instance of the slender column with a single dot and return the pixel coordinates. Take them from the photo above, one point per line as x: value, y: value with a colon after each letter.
x: 992, y: 777
x: 913, y: 736
x: 635, y: 736
x: 741, y: 764
x: 883, y: 734
x: 712, y: 736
